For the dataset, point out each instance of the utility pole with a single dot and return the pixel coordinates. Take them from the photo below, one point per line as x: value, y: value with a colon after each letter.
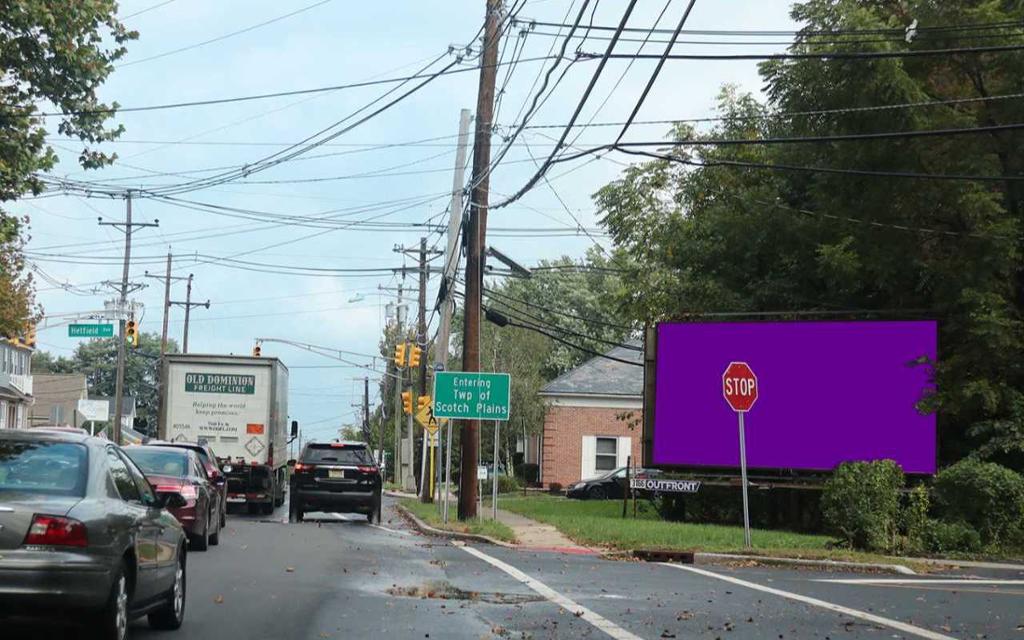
x: 399, y: 381
x: 446, y: 302
x: 167, y: 279
x: 421, y: 339
x: 366, y: 407
x: 188, y: 304
x: 127, y: 228
x: 475, y: 239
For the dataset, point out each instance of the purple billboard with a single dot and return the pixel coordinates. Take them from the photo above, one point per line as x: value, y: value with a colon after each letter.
x: 828, y: 392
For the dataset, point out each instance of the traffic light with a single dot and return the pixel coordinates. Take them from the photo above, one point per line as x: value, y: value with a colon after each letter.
x: 400, y: 355
x: 256, y: 351
x: 131, y: 332
x: 414, y: 356
x: 423, y: 402
x: 407, y: 401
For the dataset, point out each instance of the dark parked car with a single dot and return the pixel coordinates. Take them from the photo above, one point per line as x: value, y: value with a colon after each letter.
x: 213, y: 470
x: 84, y: 536
x: 178, y: 471
x: 609, y: 485
x: 335, y: 476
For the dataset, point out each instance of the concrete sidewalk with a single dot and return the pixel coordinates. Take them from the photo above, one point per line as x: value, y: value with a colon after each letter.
x: 531, y: 534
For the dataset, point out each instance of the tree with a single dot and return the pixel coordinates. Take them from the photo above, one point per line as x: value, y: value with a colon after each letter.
x: 57, y: 54
x: 713, y: 237
x: 97, y: 359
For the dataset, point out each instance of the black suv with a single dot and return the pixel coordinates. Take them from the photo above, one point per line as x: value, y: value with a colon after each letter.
x: 335, y: 476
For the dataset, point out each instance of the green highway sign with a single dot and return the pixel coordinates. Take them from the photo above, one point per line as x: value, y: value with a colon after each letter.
x: 472, y: 396
x: 90, y: 331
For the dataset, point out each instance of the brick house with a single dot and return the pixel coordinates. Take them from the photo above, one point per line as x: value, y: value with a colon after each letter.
x: 590, y: 412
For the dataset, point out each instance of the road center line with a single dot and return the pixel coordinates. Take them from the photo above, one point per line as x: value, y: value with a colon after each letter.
x: 921, y: 581
x: 578, y: 610
x: 854, y: 613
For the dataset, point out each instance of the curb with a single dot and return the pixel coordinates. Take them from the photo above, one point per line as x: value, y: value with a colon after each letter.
x: 719, y: 558
x: 425, y: 528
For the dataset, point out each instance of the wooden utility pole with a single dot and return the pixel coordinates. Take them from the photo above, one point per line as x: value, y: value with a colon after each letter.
x: 399, y: 381
x: 475, y: 239
x: 421, y: 341
x: 188, y: 304
x: 167, y: 305
x: 122, y: 310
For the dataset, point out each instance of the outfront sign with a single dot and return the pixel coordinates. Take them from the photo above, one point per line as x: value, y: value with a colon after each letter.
x: 660, y: 485
x: 471, y: 396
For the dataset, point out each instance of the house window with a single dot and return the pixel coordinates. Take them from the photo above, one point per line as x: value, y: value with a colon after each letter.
x: 606, y: 454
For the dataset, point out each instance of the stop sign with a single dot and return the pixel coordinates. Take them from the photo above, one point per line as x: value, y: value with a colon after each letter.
x: 739, y: 386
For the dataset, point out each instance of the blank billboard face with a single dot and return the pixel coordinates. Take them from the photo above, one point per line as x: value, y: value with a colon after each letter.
x: 828, y: 392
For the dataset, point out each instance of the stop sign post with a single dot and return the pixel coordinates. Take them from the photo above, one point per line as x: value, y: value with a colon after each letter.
x: 739, y: 386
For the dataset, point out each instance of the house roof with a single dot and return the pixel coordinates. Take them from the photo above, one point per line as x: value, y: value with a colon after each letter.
x: 600, y: 376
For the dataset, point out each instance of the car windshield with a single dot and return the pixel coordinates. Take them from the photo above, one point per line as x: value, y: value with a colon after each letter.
x: 164, y: 463
x: 55, y: 468
x: 341, y: 455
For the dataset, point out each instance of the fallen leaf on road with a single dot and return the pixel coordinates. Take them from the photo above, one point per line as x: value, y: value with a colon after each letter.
x: 289, y: 569
x: 219, y: 600
x: 666, y: 634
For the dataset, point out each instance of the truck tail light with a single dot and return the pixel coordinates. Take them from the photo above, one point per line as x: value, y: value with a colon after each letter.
x: 54, y: 531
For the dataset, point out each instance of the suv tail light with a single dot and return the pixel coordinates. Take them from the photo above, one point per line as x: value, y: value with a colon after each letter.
x: 187, y: 491
x: 304, y: 467
x: 54, y: 531
x: 367, y: 469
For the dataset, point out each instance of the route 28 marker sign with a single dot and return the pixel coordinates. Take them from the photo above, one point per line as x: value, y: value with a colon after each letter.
x: 739, y: 387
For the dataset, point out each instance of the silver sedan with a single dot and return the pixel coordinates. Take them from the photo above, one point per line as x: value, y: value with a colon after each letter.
x: 83, y: 534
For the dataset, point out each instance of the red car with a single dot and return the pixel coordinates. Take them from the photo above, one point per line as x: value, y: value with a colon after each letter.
x: 209, y: 462
x: 176, y: 470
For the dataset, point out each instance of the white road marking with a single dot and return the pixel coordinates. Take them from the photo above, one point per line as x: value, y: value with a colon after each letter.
x: 924, y: 581
x: 398, y: 531
x: 598, y: 621
x: 853, y: 613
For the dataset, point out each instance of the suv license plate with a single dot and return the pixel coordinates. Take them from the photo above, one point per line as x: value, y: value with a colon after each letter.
x: 335, y: 473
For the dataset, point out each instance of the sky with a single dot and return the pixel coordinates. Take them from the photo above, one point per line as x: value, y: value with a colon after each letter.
x: 329, y: 43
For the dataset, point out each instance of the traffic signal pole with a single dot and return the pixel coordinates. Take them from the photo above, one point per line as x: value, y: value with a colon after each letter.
x: 421, y: 340
x: 475, y: 238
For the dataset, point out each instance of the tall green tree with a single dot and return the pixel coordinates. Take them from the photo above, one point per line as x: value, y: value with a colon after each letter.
x: 53, y: 55
x: 709, y: 235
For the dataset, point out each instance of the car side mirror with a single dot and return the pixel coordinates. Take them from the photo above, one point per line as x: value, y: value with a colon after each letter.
x: 295, y: 428
x: 170, y: 500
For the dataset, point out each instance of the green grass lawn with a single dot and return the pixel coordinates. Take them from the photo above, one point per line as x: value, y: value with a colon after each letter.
x: 599, y: 523
x: 429, y: 514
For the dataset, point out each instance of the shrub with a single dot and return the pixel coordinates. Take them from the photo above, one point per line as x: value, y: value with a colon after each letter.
x: 861, y: 503
x: 950, y: 537
x: 915, y: 519
x: 528, y: 473
x: 985, y: 495
x: 506, y: 484
x: 555, y: 487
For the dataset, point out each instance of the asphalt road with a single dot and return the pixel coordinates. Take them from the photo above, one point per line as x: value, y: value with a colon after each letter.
x: 345, y: 578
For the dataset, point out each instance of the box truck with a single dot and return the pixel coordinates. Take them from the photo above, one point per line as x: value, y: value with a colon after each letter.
x: 238, y: 405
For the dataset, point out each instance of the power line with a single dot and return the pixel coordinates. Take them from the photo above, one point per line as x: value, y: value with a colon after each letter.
x: 824, y: 55
x: 261, y: 96
x: 222, y: 37
x: 147, y: 9
x: 501, y: 295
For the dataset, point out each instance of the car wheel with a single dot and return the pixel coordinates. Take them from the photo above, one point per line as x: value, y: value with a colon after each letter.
x: 267, y: 509
x: 172, y: 614
x: 215, y: 536
x: 597, y: 493
x: 113, y: 621
x: 202, y: 542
